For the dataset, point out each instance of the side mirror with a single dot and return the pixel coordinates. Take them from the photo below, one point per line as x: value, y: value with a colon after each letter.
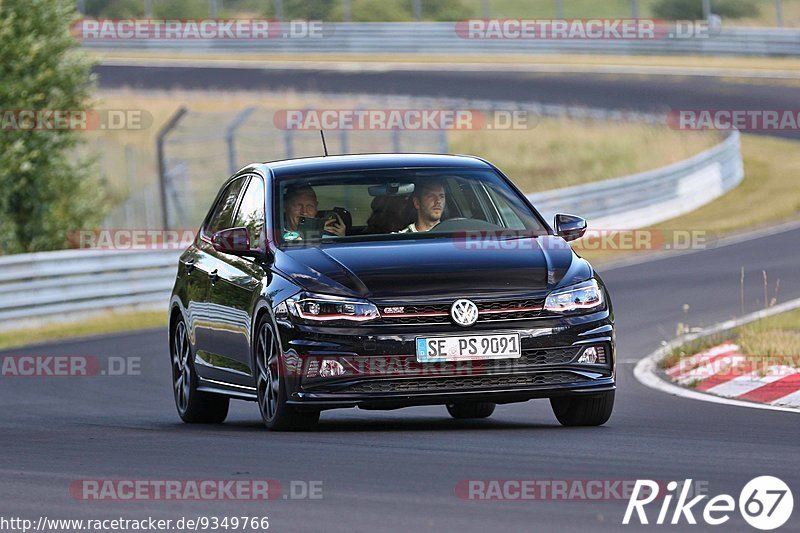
x: 570, y: 227
x: 234, y: 241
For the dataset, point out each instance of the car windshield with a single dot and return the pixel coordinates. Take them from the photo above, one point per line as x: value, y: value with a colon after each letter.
x: 398, y: 204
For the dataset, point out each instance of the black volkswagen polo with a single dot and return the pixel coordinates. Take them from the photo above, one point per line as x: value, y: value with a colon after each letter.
x: 386, y: 281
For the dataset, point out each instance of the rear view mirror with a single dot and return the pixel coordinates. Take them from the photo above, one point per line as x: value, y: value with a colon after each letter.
x: 391, y: 189
x: 570, y: 227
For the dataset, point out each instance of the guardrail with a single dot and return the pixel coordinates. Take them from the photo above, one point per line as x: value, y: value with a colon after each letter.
x: 643, y: 199
x: 45, y: 286
x: 441, y: 37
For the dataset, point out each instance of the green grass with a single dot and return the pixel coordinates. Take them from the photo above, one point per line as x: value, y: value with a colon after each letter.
x: 111, y: 322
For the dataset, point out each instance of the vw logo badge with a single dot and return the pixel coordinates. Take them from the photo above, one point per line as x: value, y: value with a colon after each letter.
x: 464, y: 312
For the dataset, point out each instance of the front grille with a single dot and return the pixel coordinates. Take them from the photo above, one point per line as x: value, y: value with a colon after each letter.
x: 488, y: 311
x: 408, y: 364
x: 549, y: 356
x: 472, y: 383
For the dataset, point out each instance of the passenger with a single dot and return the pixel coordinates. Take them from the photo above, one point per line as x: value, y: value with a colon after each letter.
x: 429, y: 201
x: 301, y: 201
x: 389, y: 214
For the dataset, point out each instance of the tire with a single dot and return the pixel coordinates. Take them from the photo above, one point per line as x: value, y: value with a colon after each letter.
x: 583, y: 411
x: 470, y: 410
x: 277, y: 414
x: 194, y: 406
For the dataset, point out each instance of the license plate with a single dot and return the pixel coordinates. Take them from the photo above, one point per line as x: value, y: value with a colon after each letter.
x: 440, y: 349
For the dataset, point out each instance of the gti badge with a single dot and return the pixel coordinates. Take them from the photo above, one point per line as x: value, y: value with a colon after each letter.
x: 464, y: 312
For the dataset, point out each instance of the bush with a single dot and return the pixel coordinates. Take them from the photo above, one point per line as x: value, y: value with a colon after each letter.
x: 45, y: 192
x: 693, y: 9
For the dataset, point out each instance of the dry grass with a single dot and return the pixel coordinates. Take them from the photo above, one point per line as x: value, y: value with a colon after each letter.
x: 563, y: 152
x: 111, y: 322
x: 554, y: 153
x: 770, y: 341
x: 773, y: 337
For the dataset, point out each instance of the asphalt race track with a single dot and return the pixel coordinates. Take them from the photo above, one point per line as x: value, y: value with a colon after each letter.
x: 656, y: 93
x: 398, y: 470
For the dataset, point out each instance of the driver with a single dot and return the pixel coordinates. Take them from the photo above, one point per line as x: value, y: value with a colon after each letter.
x: 429, y: 200
x: 301, y: 201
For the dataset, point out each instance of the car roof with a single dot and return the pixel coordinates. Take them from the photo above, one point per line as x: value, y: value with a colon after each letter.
x: 333, y: 163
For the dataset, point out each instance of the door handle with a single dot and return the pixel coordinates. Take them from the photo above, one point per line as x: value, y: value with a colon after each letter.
x: 214, y: 275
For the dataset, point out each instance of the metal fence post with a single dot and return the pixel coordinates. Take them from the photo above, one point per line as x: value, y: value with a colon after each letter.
x: 559, y: 9
x: 779, y: 13
x: 230, y: 136
x: 344, y: 141
x: 416, y: 8
x: 706, y: 9
x: 634, y: 9
x: 162, y: 163
x: 485, y: 11
x: 347, y: 12
x: 130, y: 161
x: 279, y: 10
x: 148, y: 8
x: 288, y: 144
x: 396, y: 140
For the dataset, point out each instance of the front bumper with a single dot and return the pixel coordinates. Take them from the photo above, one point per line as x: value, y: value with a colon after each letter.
x: 382, y: 371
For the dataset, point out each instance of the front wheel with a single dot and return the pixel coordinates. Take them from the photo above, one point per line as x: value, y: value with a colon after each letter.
x: 470, y: 410
x: 194, y: 406
x: 277, y: 414
x: 592, y: 410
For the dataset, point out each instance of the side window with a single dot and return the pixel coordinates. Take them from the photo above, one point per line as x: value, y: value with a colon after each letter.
x: 251, y: 211
x: 222, y: 216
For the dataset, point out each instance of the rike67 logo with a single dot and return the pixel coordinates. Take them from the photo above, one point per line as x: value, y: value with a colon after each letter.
x: 765, y: 503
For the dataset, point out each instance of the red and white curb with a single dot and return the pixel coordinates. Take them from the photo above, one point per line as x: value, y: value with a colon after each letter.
x: 722, y: 374
x: 724, y: 371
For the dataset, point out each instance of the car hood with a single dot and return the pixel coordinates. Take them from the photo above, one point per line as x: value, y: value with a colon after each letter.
x: 425, y: 268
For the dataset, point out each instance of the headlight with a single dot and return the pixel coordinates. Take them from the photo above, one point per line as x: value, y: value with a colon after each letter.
x: 319, y: 308
x: 581, y: 297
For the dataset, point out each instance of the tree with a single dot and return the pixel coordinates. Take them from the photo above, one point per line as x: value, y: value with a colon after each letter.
x: 46, y: 190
